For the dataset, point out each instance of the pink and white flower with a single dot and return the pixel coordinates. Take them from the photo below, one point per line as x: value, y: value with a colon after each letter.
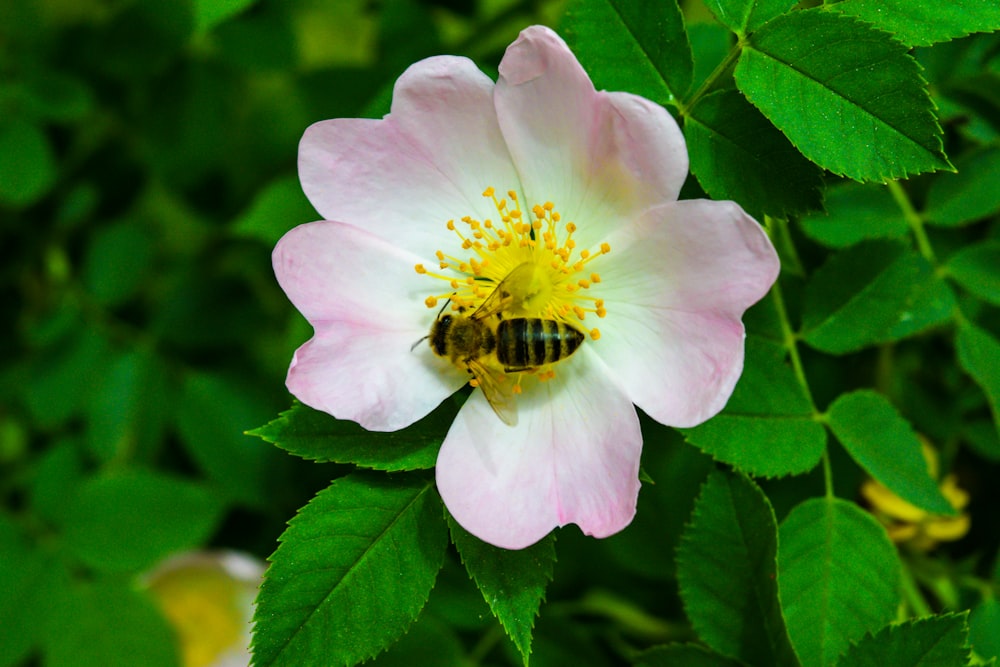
x: 659, y: 284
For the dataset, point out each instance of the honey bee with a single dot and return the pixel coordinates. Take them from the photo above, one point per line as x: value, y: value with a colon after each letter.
x: 487, y: 345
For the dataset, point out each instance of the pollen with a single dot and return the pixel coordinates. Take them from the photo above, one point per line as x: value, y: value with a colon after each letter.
x: 502, y: 236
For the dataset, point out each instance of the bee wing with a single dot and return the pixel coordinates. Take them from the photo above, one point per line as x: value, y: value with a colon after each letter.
x: 503, y: 296
x: 498, y: 390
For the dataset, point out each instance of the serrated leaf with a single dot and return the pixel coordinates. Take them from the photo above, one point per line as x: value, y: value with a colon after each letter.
x: 979, y: 355
x: 737, y: 154
x: 839, y: 577
x: 688, y: 655
x: 976, y: 267
x: 317, y: 436
x: 640, y: 47
x: 937, y: 641
x: 925, y: 22
x: 873, y: 292
x: 352, y: 572
x: 968, y: 195
x: 727, y: 569
x: 884, y: 444
x: 848, y: 96
x: 126, y: 520
x: 855, y: 212
x: 743, y: 16
x: 768, y: 427
x: 513, y: 583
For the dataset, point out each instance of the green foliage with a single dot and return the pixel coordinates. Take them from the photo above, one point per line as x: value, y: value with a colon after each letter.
x: 767, y: 408
x: 736, y: 153
x: 839, y: 577
x: 924, y: 22
x: 921, y: 643
x: 884, y: 444
x: 873, y: 292
x: 855, y: 212
x: 877, y: 118
x: 727, y: 572
x: 317, y: 436
x: 512, y: 582
x: 108, y: 527
x: 147, y: 167
x: 637, y: 47
x: 352, y: 573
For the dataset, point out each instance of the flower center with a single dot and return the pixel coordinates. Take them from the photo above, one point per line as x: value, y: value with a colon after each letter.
x: 532, y: 260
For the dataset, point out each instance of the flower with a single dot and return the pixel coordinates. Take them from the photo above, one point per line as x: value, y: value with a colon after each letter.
x: 208, y: 599
x: 416, y: 216
x: 909, y: 525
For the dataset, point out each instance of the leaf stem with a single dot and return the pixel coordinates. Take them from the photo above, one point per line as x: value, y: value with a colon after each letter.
x: 914, y: 220
x: 683, y: 108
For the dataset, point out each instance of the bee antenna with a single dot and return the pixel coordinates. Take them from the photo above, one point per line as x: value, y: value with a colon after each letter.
x: 414, y: 346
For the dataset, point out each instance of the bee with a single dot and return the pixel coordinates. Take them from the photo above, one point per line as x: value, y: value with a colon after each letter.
x: 487, y: 345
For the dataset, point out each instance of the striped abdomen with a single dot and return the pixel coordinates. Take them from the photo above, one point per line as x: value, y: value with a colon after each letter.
x: 524, y: 342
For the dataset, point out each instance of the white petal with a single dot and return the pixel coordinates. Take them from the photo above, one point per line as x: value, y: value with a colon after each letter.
x: 572, y: 458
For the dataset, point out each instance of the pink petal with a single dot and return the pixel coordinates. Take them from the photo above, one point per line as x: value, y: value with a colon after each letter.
x: 676, y: 287
x: 572, y: 458
x: 365, y: 303
x: 598, y: 156
x: 428, y: 161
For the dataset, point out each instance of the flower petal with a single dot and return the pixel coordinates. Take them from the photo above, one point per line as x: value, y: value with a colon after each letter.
x: 364, y: 301
x: 426, y: 162
x: 598, y: 156
x: 572, y: 458
x: 676, y: 287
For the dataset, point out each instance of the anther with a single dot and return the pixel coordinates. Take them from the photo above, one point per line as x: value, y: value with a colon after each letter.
x: 420, y: 269
x: 488, y: 192
x: 431, y: 301
x: 595, y: 277
x: 595, y: 334
x: 605, y: 248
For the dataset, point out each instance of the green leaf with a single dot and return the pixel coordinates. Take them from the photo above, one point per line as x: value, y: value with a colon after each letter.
x: 976, y: 267
x: 925, y: 22
x: 639, y: 47
x: 768, y: 427
x: 726, y: 571
x: 743, y: 16
x: 856, y: 212
x: 212, y: 414
x: 127, y: 410
x: 737, y: 154
x: 848, y: 96
x: 688, y: 655
x: 276, y: 209
x: 107, y: 622
x: 353, y: 571
x: 936, y: 641
x: 969, y: 195
x: 22, y: 580
x: 27, y: 163
x: 839, y: 577
x: 127, y: 520
x: 984, y: 629
x: 512, y: 582
x: 209, y: 13
x: 979, y: 355
x: 429, y: 641
x: 873, y: 292
x: 317, y: 436
x: 118, y: 259
x: 884, y: 444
